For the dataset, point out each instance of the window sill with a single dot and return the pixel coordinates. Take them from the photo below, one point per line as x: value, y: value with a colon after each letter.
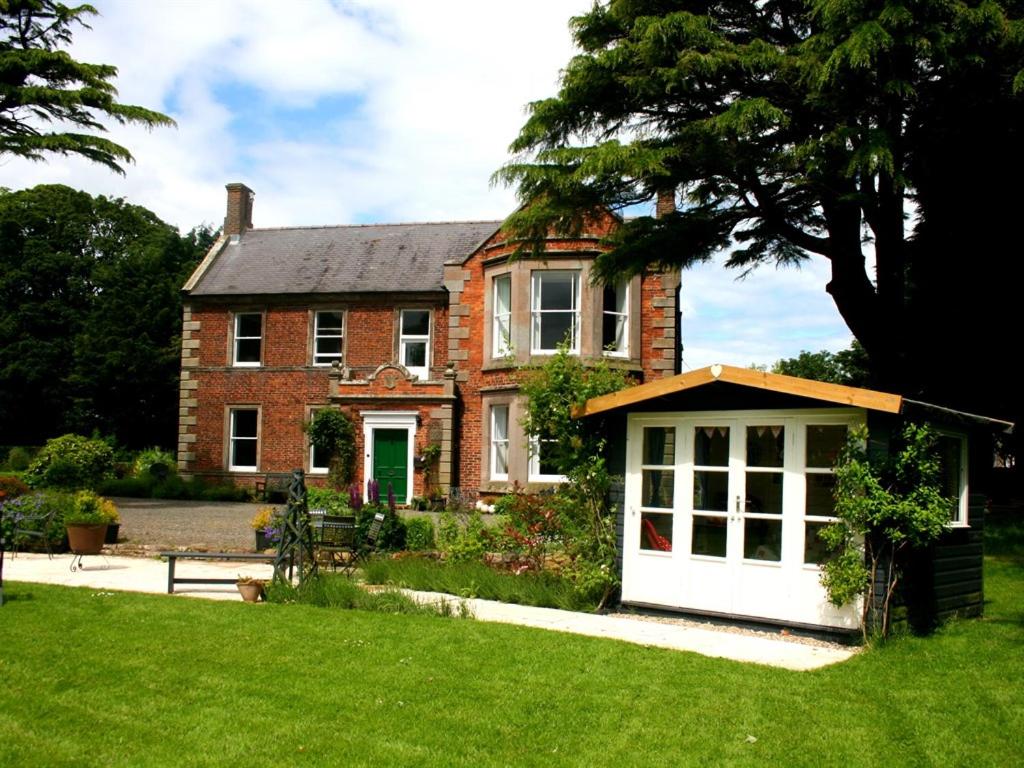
x: 243, y: 469
x: 246, y: 365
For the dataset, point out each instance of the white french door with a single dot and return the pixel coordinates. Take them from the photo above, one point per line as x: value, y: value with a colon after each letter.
x: 723, y: 509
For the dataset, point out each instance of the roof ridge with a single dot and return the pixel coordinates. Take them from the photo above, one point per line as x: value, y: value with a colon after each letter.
x: 381, y: 224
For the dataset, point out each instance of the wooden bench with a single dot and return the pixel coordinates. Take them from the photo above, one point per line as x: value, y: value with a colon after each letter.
x: 173, y: 557
x: 273, y: 482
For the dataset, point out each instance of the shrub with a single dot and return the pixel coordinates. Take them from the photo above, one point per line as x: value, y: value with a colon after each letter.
x: 392, y: 530
x: 155, y: 462
x: 89, y: 509
x: 331, y: 431
x: 221, y: 492
x: 18, y: 459
x: 25, y: 512
x: 419, y: 534
x: 463, y: 538
x: 332, y: 501
x: 71, y: 461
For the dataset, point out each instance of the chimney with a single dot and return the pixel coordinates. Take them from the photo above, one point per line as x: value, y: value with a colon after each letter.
x: 239, y: 214
x: 666, y: 203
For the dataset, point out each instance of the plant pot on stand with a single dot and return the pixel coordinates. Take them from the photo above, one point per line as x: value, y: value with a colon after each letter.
x: 85, y: 539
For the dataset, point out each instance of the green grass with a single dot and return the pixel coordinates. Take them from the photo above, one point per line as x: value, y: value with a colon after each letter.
x: 475, y: 580
x: 116, y: 679
x: 338, y: 591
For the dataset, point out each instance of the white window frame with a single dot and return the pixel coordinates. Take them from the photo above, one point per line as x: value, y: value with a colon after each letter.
x: 960, y: 520
x: 496, y: 442
x: 232, y: 438
x: 533, y: 472
x: 501, y: 344
x: 236, y: 337
x: 313, y: 469
x: 422, y: 372
x: 327, y: 359
x: 537, y: 314
x: 622, y: 286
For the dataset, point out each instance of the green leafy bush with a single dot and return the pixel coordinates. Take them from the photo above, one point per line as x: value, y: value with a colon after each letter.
x: 89, y: 509
x: 331, y: 431
x: 155, y: 462
x: 332, y: 501
x: 462, y: 536
x: 18, y: 459
x: 71, y: 461
x: 392, y: 530
x: 419, y: 534
x: 28, y: 512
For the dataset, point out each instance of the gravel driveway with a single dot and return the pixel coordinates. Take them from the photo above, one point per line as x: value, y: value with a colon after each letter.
x: 153, y: 524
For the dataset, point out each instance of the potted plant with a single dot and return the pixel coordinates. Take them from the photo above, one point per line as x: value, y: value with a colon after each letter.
x: 114, y: 526
x: 86, y: 522
x: 266, y: 523
x: 250, y: 588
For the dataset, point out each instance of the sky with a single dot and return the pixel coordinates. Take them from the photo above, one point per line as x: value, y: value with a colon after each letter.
x: 360, y: 111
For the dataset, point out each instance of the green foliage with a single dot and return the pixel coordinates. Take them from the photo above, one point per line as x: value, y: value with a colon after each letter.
x: 71, y: 461
x: 392, y: 530
x: 531, y: 526
x: 419, y: 534
x: 91, y: 318
x: 150, y: 457
x: 798, y: 130
x: 331, y: 501
x: 462, y: 536
x: 18, y: 459
x: 471, y: 579
x: 552, y: 390
x: 12, y: 487
x: 848, y: 366
x: 43, y: 85
x: 331, y: 431
x: 893, y: 505
x: 89, y: 509
x: 173, y: 487
x: 334, y: 591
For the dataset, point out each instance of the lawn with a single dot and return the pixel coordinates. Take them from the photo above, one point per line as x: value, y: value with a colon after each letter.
x: 102, y: 679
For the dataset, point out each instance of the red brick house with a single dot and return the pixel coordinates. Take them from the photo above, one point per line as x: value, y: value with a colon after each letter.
x: 415, y: 330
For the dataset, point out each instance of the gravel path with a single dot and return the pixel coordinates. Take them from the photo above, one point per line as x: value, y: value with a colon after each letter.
x: 154, y: 524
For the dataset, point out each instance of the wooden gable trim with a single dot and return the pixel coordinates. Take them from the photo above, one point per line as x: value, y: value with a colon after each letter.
x: 745, y: 377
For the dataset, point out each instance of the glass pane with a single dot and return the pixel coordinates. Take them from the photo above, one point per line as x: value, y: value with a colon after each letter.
x: 415, y: 354
x: 710, y: 536
x: 244, y: 453
x: 711, y: 446
x: 248, y: 325
x: 613, y: 333
x: 762, y: 539
x: 329, y: 323
x: 820, y: 499
x: 501, y: 458
x: 656, y: 532
x: 415, y: 322
x: 545, y: 462
x: 247, y: 350
x: 815, y: 550
x: 556, y: 290
x: 500, y: 422
x: 824, y: 441
x: 711, y: 491
x: 765, y: 446
x: 502, y: 334
x: 502, y: 295
x: 243, y: 423
x: 555, y: 328
x: 658, y: 488
x: 950, y: 450
x: 660, y: 446
x: 764, y: 493
x: 328, y: 346
x: 320, y: 458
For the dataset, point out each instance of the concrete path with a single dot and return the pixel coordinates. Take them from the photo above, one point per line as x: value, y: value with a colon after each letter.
x: 150, y: 575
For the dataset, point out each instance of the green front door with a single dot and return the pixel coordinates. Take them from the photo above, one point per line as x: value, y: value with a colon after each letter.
x: 390, y: 461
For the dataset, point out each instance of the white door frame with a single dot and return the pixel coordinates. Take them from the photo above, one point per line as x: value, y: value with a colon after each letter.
x: 373, y: 420
x: 787, y: 589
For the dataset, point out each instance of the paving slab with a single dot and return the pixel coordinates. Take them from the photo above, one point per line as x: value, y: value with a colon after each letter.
x: 136, y: 574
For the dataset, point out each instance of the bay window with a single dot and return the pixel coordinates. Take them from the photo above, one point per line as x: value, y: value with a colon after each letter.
x: 555, y: 310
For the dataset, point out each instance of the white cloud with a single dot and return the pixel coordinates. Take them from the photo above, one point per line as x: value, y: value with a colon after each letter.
x: 434, y: 93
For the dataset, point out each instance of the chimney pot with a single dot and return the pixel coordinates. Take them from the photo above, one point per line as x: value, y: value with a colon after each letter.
x: 666, y: 203
x: 239, y: 212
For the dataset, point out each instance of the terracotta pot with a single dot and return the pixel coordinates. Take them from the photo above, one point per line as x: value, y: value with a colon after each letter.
x: 251, y: 593
x: 86, y: 539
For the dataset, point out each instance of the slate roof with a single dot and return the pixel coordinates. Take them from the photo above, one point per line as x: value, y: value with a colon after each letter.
x: 365, y: 258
